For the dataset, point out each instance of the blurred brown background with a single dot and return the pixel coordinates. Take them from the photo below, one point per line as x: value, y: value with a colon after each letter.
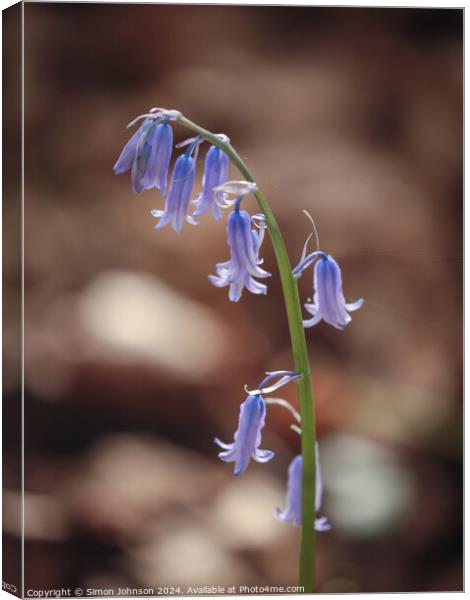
x: 133, y: 361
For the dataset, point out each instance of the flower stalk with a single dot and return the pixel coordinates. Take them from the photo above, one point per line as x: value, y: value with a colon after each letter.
x: 301, y: 362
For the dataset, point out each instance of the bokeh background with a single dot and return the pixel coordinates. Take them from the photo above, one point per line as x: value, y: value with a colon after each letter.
x: 133, y: 361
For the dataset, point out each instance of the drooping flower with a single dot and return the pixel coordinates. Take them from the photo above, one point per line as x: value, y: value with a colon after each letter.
x: 293, y: 511
x: 329, y: 303
x: 251, y: 421
x: 177, y: 201
x: 127, y: 156
x: 247, y: 437
x: 159, y: 160
x: 215, y: 174
x: 148, y: 154
x: 243, y: 266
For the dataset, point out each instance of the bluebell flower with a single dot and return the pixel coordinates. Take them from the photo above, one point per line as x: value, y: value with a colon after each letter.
x: 293, y: 511
x: 127, y: 156
x: 215, y: 174
x: 251, y: 421
x: 247, y: 437
x: 159, y: 159
x: 243, y: 266
x: 329, y: 303
x: 148, y: 154
x: 177, y: 201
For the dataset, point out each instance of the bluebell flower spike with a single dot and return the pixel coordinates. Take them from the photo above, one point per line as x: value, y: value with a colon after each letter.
x: 293, y: 511
x: 215, y: 173
x: 328, y: 303
x: 247, y: 438
x: 240, y: 270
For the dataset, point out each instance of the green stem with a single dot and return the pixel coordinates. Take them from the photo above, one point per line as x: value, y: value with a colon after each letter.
x: 301, y: 361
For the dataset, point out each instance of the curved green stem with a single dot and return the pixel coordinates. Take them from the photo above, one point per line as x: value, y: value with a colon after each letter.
x: 301, y: 361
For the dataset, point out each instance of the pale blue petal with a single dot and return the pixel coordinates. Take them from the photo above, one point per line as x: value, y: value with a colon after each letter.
x: 223, y: 444
x: 263, y: 456
x: 355, y: 305
x: 322, y: 524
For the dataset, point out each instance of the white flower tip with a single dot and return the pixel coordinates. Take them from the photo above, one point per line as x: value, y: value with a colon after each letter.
x: 296, y: 428
x: 223, y: 138
x: 187, y: 142
x: 259, y: 221
x: 240, y: 188
x: 192, y: 220
x: 174, y: 115
x: 225, y: 202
